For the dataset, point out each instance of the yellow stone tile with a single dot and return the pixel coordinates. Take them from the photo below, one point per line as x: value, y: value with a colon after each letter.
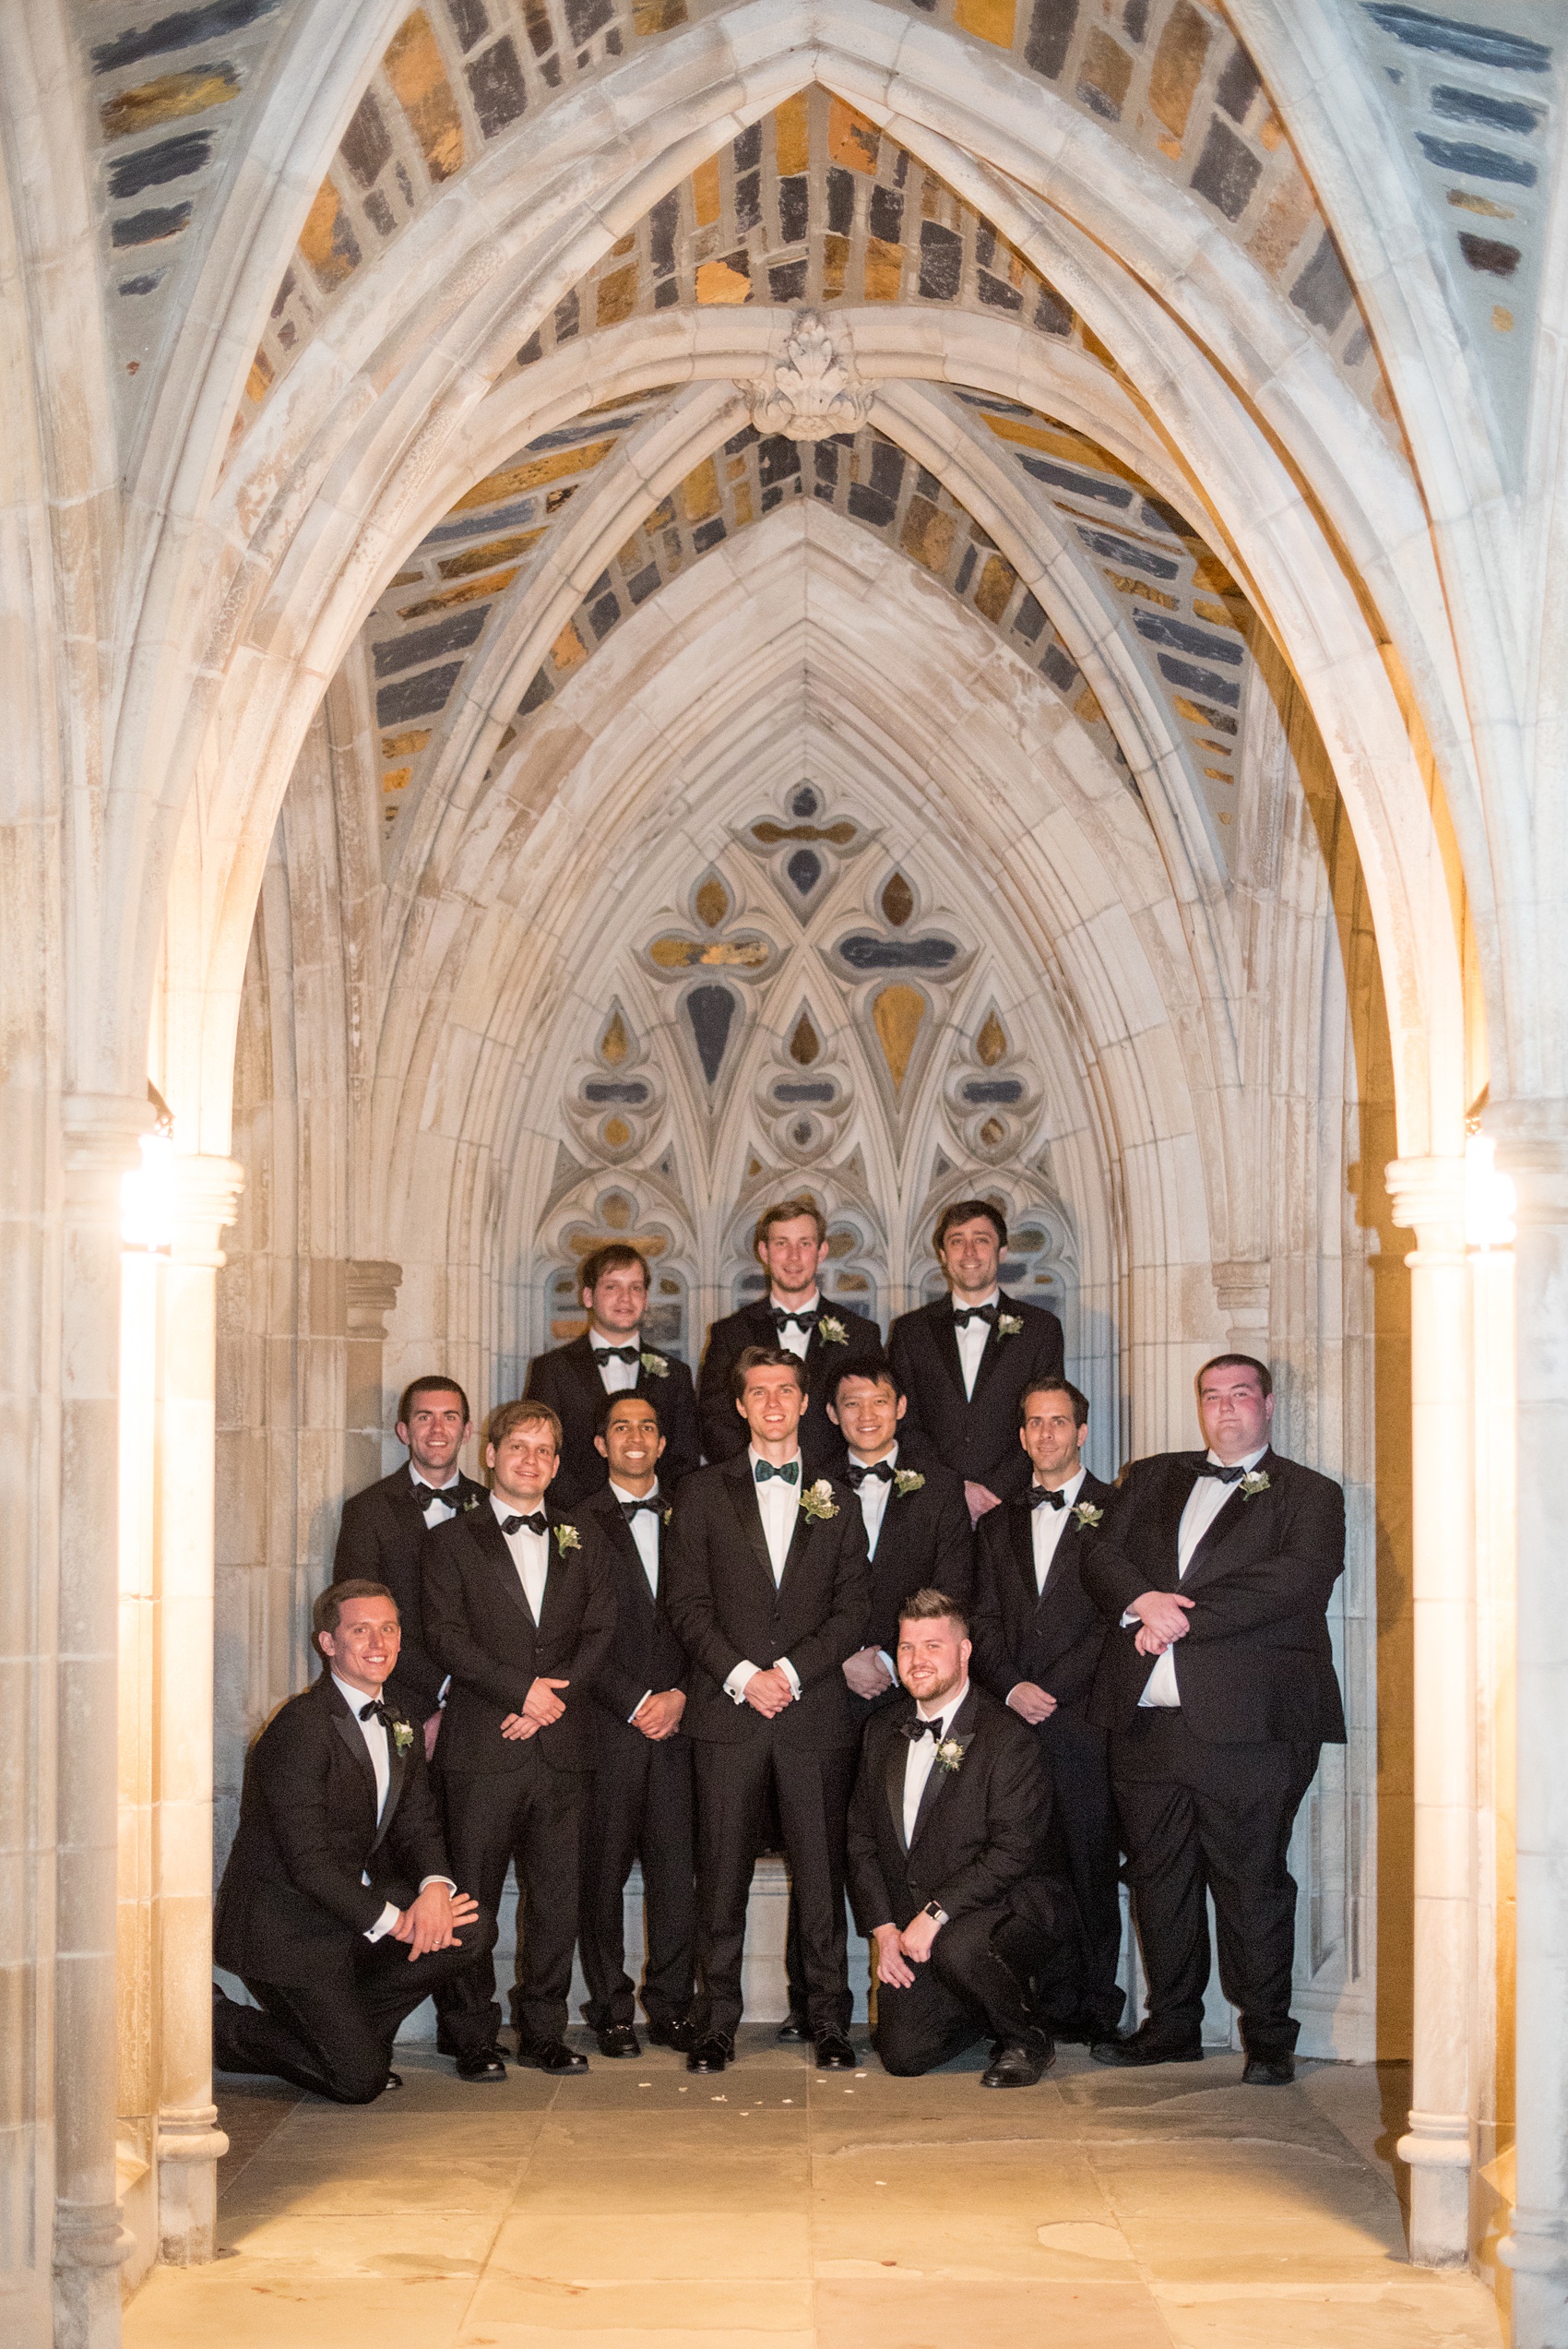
x: 755, y: 2309
x: 875, y: 2207
x: 605, y: 2243
x: 984, y: 2316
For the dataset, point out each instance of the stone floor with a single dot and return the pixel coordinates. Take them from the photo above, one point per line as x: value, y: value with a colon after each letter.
x: 780, y: 2209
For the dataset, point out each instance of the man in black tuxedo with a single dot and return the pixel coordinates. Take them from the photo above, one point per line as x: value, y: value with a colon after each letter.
x: 1038, y: 1637
x: 791, y: 1241
x: 1214, y: 1571
x: 965, y: 1360
x: 946, y: 1867
x: 519, y: 1609
x: 613, y: 1357
x: 317, y: 1912
x: 641, y: 1805
x: 382, y: 1531
x: 767, y: 1596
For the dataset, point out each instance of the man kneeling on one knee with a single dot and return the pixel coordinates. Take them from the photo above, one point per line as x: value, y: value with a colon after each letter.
x: 946, y: 1831
x: 318, y: 1911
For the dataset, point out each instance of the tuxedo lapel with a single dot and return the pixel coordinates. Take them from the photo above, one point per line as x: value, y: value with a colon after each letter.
x: 1174, y: 1500
x: 349, y: 1729
x: 1021, y: 1527
x: 944, y: 1338
x: 994, y: 1342
x: 397, y: 1771
x: 623, y: 1541
x: 893, y: 1778
x: 580, y: 1354
x: 961, y: 1727
x: 743, y: 1501
x: 484, y: 1527
x: 1228, y: 1519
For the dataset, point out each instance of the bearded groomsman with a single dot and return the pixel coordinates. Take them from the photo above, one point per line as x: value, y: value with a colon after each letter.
x: 1215, y: 1571
x: 641, y: 1805
x: 1038, y: 1637
x: 791, y: 1241
x: 382, y: 1532
x: 767, y: 1595
x: 965, y: 1360
x: 519, y: 1609
x: 613, y: 1357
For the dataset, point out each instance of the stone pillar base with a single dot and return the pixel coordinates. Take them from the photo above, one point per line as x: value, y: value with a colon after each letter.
x: 1437, y: 2153
x: 189, y: 2149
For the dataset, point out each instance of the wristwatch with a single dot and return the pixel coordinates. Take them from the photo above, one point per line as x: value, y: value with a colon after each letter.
x: 934, y: 1910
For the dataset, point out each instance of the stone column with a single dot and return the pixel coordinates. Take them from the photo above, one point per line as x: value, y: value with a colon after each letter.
x: 373, y: 1288
x: 1428, y: 1196
x: 188, y: 2142
x: 1532, y: 1141
x: 100, y: 1146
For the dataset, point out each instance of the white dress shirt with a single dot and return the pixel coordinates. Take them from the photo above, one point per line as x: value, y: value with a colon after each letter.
x: 373, y: 1732
x: 778, y: 1504
x: 618, y: 1377
x: 1047, y: 1526
x: 792, y: 1338
x: 1203, y: 1504
x: 972, y: 1337
x: 436, y: 1512
x: 644, y: 1533
x: 874, y: 1495
x: 530, y: 1554
x: 922, y: 1759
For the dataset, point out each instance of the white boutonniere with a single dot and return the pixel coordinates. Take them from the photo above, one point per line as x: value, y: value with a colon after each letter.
x: 1086, y: 1514
x: 1009, y: 1324
x: 655, y: 1365
x: 1253, y: 1483
x: 831, y: 1330
x: 402, y: 1736
x: 668, y: 1513
x: 906, y: 1480
x: 950, y: 1754
x: 470, y: 1500
x: 568, y: 1538
x: 817, y: 1503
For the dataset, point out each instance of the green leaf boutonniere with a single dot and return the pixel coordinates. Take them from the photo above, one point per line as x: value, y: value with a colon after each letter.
x: 472, y: 1500
x: 1009, y: 1324
x: 831, y: 1330
x: 817, y: 1503
x: 1253, y: 1483
x: 655, y: 1364
x: 402, y: 1736
x: 1085, y: 1515
x: 665, y: 1517
x: 568, y: 1538
x: 950, y: 1754
x: 906, y: 1480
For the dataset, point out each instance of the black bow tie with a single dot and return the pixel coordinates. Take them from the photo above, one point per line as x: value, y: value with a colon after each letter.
x: 858, y: 1471
x: 790, y: 1472
x: 1040, y: 1495
x: 916, y: 1729
x: 617, y: 1353
x: 781, y: 1320
x: 537, y: 1523
x: 425, y: 1493
x: 629, y: 1509
x: 1226, y: 1475
x: 376, y: 1710
x: 964, y: 1314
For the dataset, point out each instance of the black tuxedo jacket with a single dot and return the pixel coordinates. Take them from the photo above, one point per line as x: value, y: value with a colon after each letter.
x: 479, y: 1628
x: 381, y: 1536
x: 724, y: 1431
x: 1256, y: 1661
x: 924, y: 1542
x: 976, y: 1436
x: 1052, y: 1636
x: 569, y: 1382
x: 725, y: 1609
x: 979, y: 1834
x: 293, y: 1892
x: 644, y: 1653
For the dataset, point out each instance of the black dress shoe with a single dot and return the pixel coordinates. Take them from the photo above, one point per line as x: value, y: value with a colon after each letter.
x: 710, y: 2054
x: 618, y: 2039
x: 1016, y: 2065
x: 394, y: 2080
x: 794, y: 2031
x: 1078, y: 2031
x: 481, y: 2063
x: 833, y: 2053
x: 552, y: 2055
x: 1139, y: 2049
x: 678, y: 2035
x: 1268, y: 2071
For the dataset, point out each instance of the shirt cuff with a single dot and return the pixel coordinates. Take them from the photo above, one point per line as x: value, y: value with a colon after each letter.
x: 385, y: 1921
x: 643, y: 1699
x: 892, y: 1668
x: 1128, y: 1620
x: 790, y: 1674
x: 439, y: 1879
x: 1012, y: 1693
x: 739, y: 1681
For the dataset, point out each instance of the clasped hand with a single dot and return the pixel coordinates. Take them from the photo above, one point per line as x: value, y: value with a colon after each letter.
x: 540, y: 1707
x: 866, y: 1673
x: 658, y: 1715
x: 769, y: 1692
x: 435, y: 1920
x: 895, y: 1951
x: 1162, y: 1620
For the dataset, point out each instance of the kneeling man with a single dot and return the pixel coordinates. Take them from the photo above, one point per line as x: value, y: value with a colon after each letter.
x: 316, y: 1913
x: 946, y: 1832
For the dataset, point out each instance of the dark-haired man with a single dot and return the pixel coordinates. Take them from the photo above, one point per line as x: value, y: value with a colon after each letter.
x: 518, y: 1608
x: 965, y: 1360
x: 791, y: 1241
x: 382, y: 1531
x: 640, y: 1807
x: 613, y: 1357
x: 767, y: 1596
x: 1038, y: 1637
x: 318, y: 1911
x: 1217, y: 1684
x: 946, y: 1869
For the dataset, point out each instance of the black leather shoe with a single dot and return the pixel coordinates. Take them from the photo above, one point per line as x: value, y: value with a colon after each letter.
x: 794, y: 2031
x: 1078, y: 2031
x: 394, y: 2080
x: 710, y: 2054
x: 481, y: 2063
x: 833, y: 2053
x: 1268, y: 2071
x: 618, y: 2039
x: 552, y: 2055
x: 1139, y: 2049
x: 1018, y: 2065
x: 678, y: 2035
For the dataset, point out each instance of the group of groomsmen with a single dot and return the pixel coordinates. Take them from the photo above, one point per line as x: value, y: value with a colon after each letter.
x: 893, y: 1625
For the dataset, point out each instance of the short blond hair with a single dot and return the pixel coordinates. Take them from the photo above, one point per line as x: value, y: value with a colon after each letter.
x: 506, y: 1417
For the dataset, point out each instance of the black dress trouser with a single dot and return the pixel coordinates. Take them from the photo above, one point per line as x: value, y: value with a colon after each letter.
x: 641, y: 1809
x: 972, y: 1986
x: 1089, y: 1845
x: 1197, y: 1817
x: 531, y: 1818
x: 812, y: 1789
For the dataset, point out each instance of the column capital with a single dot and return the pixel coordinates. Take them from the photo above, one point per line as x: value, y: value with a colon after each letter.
x: 372, y: 1285
x: 207, y: 1200
x: 1532, y: 1149
x: 1428, y: 1198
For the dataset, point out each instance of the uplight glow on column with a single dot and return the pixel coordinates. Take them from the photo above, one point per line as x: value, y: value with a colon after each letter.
x: 1490, y: 1201
x: 147, y: 1196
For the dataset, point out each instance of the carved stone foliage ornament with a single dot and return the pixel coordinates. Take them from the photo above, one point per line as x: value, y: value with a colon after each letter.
x: 813, y: 390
